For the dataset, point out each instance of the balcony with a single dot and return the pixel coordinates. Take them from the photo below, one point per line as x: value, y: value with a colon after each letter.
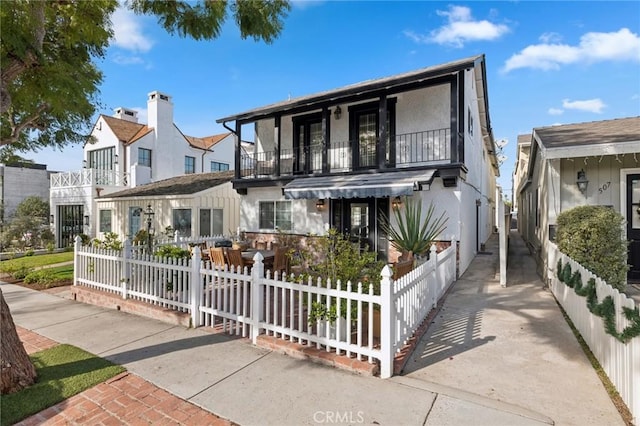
x: 418, y: 149
x: 89, y: 177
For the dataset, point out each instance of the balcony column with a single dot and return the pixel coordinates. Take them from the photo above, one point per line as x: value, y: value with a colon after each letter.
x: 276, y: 136
x: 383, y: 132
x: 326, y: 131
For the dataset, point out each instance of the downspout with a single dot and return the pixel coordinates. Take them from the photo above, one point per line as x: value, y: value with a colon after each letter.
x: 237, y: 148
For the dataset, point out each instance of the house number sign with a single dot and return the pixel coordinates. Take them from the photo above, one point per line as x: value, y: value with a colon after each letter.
x: 604, y: 187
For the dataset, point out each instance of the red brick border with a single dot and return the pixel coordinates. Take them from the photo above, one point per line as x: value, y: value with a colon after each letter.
x: 33, y: 342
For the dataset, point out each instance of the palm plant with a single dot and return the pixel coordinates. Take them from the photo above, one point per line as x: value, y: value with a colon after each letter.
x: 412, y: 232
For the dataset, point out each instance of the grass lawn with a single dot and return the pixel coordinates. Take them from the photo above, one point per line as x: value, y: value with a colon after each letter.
x: 36, y: 261
x: 63, y: 371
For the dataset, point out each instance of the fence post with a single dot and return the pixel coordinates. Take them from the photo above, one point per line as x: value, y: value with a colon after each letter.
x: 77, y: 244
x: 433, y: 255
x: 195, y: 287
x: 126, y: 267
x: 386, y: 323
x: 454, y: 274
x: 257, y: 296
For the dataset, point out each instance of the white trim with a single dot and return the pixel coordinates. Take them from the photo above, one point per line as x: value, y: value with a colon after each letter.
x: 592, y: 150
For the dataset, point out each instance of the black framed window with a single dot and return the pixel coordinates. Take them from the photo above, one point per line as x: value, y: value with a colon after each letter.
x: 211, y: 222
x: 101, y: 159
x: 308, y: 142
x: 144, y: 157
x: 275, y: 215
x: 189, y: 164
x: 364, y: 133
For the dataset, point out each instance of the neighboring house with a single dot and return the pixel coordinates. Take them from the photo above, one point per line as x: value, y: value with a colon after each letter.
x: 520, y: 175
x: 195, y: 205
x: 125, y: 154
x: 344, y: 157
x: 595, y: 163
x: 19, y: 181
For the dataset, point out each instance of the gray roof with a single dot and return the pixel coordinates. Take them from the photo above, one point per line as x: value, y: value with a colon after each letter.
x: 522, y: 139
x: 335, y: 95
x: 592, y: 133
x: 179, y: 185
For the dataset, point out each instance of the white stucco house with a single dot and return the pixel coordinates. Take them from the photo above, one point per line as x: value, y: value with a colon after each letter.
x: 125, y: 154
x: 195, y: 205
x: 594, y: 163
x: 343, y: 157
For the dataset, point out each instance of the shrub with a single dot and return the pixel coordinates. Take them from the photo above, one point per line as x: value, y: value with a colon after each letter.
x: 592, y: 236
x: 42, y: 276
x: 29, y: 252
x: 172, y: 251
x: 110, y: 242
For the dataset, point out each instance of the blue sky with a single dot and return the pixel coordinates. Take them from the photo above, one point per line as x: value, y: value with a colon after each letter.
x: 547, y: 62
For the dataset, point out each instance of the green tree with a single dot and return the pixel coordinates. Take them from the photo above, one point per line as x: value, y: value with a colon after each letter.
x: 33, y: 207
x: 49, y: 78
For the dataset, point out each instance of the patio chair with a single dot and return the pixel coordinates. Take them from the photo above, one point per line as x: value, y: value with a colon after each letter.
x: 235, y: 259
x: 281, y: 261
x: 217, y: 256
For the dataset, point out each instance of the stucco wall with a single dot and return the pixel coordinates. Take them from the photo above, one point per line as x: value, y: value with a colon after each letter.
x: 19, y: 183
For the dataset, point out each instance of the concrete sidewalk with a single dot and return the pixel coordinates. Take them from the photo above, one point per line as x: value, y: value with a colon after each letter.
x: 492, y: 356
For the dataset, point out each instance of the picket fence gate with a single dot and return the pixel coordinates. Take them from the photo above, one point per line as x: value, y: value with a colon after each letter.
x: 621, y: 361
x: 253, y: 302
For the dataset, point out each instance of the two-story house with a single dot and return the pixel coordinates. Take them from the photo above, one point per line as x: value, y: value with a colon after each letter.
x: 123, y: 153
x: 343, y: 157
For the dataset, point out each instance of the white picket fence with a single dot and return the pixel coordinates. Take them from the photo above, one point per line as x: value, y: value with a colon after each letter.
x: 250, y: 303
x: 620, y: 361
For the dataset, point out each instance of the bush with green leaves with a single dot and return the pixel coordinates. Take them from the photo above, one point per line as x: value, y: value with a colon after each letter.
x: 172, y: 251
x: 16, y: 271
x: 592, y: 236
x: 42, y: 276
x: 110, y: 242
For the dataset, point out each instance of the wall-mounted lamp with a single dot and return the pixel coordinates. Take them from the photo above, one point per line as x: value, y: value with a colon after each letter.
x: 115, y: 158
x: 86, y: 221
x: 51, y: 219
x: 396, y: 203
x: 582, y: 181
x: 337, y: 113
x: 84, y: 164
x: 320, y: 204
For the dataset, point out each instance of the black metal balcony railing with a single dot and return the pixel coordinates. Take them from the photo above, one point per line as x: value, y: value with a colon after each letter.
x: 403, y: 150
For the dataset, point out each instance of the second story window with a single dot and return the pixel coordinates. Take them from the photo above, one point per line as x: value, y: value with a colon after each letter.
x: 144, y: 157
x: 219, y: 167
x: 101, y: 159
x: 189, y: 164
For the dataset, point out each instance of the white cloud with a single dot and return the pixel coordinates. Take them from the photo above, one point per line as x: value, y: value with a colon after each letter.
x: 127, y: 60
x: 461, y: 28
x: 547, y: 38
x: 305, y: 4
x: 622, y: 45
x: 127, y: 31
x: 589, y: 105
x: 555, y: 111
x: 635, y: 97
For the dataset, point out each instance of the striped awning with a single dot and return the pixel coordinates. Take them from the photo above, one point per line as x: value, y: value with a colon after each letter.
x: 377, y: 185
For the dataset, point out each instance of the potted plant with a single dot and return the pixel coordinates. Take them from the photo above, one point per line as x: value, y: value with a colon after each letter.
x: 319, y: 315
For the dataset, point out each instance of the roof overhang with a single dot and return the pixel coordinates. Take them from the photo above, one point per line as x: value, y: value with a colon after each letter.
x: 360, y: 90
x: 360, y: 186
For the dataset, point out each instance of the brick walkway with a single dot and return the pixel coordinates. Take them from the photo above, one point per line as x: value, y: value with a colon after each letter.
x: 125, y: 399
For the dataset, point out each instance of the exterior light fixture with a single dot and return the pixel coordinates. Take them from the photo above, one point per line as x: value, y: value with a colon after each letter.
x: 396, y: 203
x: 320, y: 204
x: 51, y: 219
x: 84, y: 164
x: 582, y: 181
x: 149, y: 213
x: 337, y: 113
x: 86, y: 220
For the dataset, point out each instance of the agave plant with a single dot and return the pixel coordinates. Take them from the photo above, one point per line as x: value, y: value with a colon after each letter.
x: 413, y: 233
